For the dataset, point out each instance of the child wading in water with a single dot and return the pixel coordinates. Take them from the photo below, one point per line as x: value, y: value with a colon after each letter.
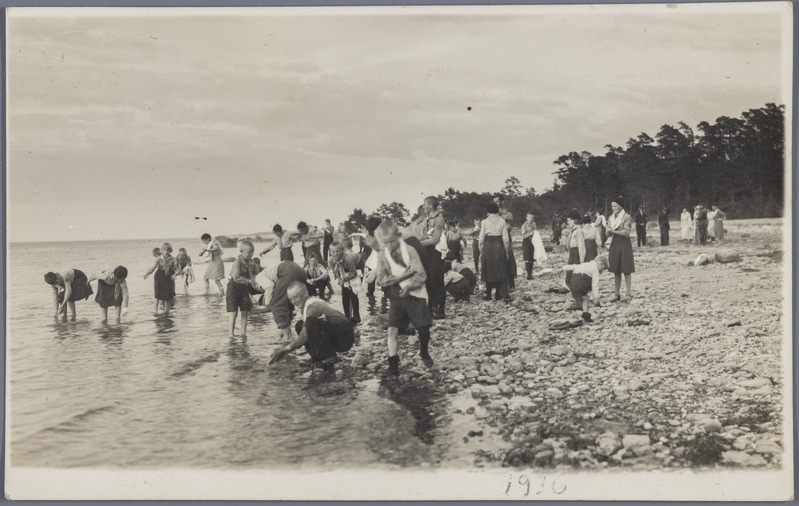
x: 584, y: 283
x: 400, y: 271
x: 238, y: 298
x: 112, y: 290
x: 165, y: 268
x: 185, y: 270
x: 347, y: 271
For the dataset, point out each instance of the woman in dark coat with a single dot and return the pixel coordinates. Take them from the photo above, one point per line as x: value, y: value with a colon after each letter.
x: 494, y: 248
x: 620, y: 255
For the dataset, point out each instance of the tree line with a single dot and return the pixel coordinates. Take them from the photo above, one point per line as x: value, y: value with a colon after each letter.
x: 735, y: 163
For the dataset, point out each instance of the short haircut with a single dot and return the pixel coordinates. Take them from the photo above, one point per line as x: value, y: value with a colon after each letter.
x: 51, y: 278
x: 433, y: 201
x: 301, y: 225
x: 166, y: 248
x: 156, y: 251
x: 346, y: 243
x: 585, y: 220
x: 372, y: 223
x: 297, y: 286
x: 205, y: 236
x: 602, y: 262
x: 246, y: 244
x: 313, y: 256
x: 386, y: 231
x: 181, y: 250
x: 492, y: 208
x: 277, y: 228
x: 120, y: 272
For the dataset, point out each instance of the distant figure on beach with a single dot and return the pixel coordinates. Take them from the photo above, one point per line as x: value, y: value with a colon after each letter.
x: 663, y: 223
x: 718, y: 223
x: 528, y: 249
x: 112, y: 290
x: 476, y: 245
x: 275, y: 281
x: 711, y: 221
x: 165, y: 268
x: 318, y: 277
x: 576, y: 240
x: 686, y: 221
x: 701, y: 222
x: 68, y: 287
x: 494, y: 245
x: 215, y: 270
x: 455, y: 243
x: 340, y: 234
x: 311, y: 239
x: 620, y: 252
x: 237, y: 298
x: 584, y: 283
x: 328, y: 240
x: 557, y: 227
x: 434, y: 227
x: 185, y: 271
x: 508, y: 217
x: 601, y: 225
x: 591, y: 236
x: 322, y: 330
x: 400, y: 270
x: 640, y: 226
x: 285, y: 240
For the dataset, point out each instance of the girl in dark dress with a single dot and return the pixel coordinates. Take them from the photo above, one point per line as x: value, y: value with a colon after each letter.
x: 165, y: 268
x: 494, y: 247
x: 620, y: 254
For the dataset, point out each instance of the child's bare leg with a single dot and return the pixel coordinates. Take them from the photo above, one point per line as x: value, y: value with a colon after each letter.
x: 392, y: 341
x: 286, y: 333
x: 167, y: 306
x: 233, y: 315
x: 244, y: 315
x: 72, y: 314
x: 119, y: 314
x: 616, y: 283
x: 104, y: 311
x: 585, y: 303
x: 157, y: 304
x: 628, y: 280
x: 185, y: 285
x: 219, y: 286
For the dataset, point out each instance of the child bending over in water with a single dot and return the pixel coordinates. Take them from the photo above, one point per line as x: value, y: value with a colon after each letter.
x: 185, y: 270
x: 112, y: 290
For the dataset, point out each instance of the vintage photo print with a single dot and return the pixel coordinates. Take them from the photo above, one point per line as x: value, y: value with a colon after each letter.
x: 399, y: 253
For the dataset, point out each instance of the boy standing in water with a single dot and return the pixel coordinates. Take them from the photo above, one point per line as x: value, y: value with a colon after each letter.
x: 237, y: 298
x: 400, y: 271
x: 347, y: 271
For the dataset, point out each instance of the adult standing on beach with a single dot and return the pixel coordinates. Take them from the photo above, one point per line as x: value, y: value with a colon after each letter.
x: 700, y: 219
x: 620, y: 254
x: 718, y: 223
x: 311, y: 238
x: 494, y: 245
x: 663, y: 223
x: 434, y: 227
x: 685, y: 225
x: 640, y: 226
x: 476, y: 245
x: 528, y: 249
x: 112, y: 290
x: 328, y: 240
x: 601, y: 225
x: 215, y: 270
x: 508, y: 217
x: 68, y: 287
x: 711, y: 222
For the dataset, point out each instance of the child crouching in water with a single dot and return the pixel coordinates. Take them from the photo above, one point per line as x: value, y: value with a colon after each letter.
x: 237, y: 297
x: 584, y: 280
x: 185, y: 269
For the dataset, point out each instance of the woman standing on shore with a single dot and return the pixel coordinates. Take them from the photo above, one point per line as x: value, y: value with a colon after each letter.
x: 620, y: 255
x: 216, y: 269
x: 476, y: 245
x: 494, y: 247
x: 718, y: 222
x: 685, y: 225
x: 68, y: 286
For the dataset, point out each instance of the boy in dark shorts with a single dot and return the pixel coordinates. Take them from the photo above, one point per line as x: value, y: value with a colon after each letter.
x: 323, y: 330
x: 237, y: 297
x: 400, y: 271
x: 584, y: 282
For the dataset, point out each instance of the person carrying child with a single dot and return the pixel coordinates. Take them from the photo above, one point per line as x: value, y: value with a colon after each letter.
x: 400, y: 271
x: 584, y: 283
x: 237, y: 298
x: 323, y: 330
x: 68, y: 287
x: 112, y: 290
x: 165, y: 268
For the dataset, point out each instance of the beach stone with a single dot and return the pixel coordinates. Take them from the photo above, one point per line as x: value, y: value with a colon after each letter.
x: 553, y: 392
x: 632, y: 440
x: 504, y: 389
x: 702, y: 259
x: 755, y: 383
x: 740, y: 458
x: 608, y: 444
x: 635, y: 384
x: 727, y: 255
x: 735, y: 322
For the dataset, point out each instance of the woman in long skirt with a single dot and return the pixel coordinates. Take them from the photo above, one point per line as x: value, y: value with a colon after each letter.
x: 718, y: 223
x: 685, y: 225
x: 576, y: 241
x: 620, y: 255
x: 592, y: 240
x: 494, y: 247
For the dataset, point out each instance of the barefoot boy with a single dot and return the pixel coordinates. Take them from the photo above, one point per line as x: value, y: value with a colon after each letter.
x: 237, y: 298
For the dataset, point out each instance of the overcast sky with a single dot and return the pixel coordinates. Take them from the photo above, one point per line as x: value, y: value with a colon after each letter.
x: 129, y: 123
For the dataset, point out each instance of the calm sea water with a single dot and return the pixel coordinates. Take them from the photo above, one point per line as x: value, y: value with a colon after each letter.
x: 176, y: 391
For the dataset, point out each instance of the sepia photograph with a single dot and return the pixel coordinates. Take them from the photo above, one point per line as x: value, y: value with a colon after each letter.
x: 530, y: 252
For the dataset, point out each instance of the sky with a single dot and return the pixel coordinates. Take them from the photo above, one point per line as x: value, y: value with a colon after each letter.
x: 129, y: 123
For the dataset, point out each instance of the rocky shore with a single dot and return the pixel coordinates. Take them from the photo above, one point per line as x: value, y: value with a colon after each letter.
x: 688, y: 373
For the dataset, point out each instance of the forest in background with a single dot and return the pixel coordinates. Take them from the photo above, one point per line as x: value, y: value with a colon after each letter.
x: 735, y: 163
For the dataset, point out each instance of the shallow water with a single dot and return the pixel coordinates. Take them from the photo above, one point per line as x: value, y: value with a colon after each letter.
x: 176, y: 391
